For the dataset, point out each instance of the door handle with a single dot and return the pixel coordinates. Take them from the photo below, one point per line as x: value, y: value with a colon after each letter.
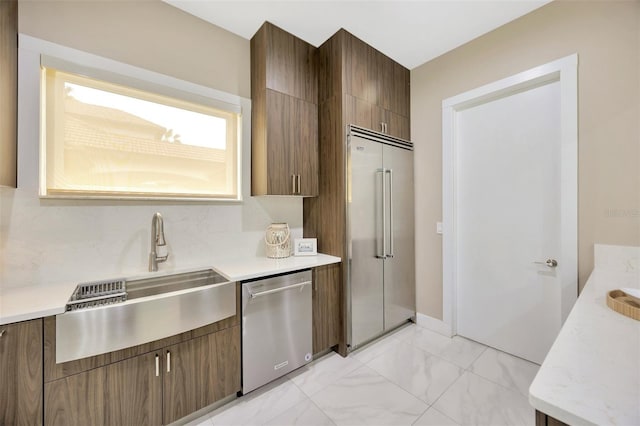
x: 390, y: 254
x: 384, y: 215
x: 551, y: 263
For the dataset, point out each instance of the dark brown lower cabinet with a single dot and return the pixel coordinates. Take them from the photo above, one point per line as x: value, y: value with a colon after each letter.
x: 200, y: 371
x: 326, y: 307
x: 155, y: 388
x: 543, y: 420
x: 21, y: 373
x: 126, y: 392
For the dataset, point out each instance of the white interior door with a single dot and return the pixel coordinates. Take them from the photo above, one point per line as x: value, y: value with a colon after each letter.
x: 508, y: 216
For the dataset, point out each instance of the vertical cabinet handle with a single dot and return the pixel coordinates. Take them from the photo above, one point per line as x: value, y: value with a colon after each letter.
x: 157, y: 365
x: 2, y: 332
x: 168, y: 362
x: 295, y: 185
x: 381, y: 127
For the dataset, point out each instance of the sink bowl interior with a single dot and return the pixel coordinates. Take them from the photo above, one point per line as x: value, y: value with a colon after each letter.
x: 144, y: 287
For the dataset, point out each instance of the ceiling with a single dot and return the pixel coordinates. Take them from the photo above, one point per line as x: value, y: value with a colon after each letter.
x: 410, y: 32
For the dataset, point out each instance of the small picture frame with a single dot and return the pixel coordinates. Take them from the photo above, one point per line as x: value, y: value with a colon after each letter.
x: 305, y: 247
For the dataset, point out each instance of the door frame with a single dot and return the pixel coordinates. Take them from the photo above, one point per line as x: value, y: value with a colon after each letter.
x: 564, y: 71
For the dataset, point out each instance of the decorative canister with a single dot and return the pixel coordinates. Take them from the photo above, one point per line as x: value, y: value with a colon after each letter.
x: 278, y: 241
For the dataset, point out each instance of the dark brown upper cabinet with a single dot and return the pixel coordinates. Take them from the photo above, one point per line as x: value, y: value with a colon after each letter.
x: 375, y: 79
x: 8, y: 91
x: 284, y: 119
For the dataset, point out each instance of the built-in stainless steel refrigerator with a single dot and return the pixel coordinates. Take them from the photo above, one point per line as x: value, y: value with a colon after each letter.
x: 380, y: 286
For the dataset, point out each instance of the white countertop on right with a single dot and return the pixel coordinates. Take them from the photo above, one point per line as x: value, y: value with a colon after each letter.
x: 591, y: 374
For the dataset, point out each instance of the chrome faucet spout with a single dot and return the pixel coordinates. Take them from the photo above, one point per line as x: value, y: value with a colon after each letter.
x: 157, y: 240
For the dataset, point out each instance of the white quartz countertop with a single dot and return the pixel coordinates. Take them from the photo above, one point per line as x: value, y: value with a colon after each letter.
x: 240, y: 269
x: 40, y: 300
x: 591, y: 375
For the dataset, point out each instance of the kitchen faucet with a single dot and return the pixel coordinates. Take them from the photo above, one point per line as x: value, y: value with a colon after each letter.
x: 157, y: 240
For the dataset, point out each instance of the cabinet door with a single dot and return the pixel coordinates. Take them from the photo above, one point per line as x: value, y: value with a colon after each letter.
x: 327, y: 310
x: 379, y: 119
x: 292, y: 145
x: 200, y: 371
x: 398, y: 126
x: 21, y: 373
x: 400, y: 101
x: 279, y: 137
x: 291, y: 64
x: 8, y: 91
x: 126, y: 392
x: 386, y: 81
x: 361, y: 70
x: 305, y: 143
x: 359, y: 113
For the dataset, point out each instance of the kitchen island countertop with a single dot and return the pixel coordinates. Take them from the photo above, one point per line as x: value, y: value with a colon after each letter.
x: 591, y: 374
x: 22, y: 303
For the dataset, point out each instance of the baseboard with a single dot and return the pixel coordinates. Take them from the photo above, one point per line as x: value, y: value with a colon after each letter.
x: 433, y: 324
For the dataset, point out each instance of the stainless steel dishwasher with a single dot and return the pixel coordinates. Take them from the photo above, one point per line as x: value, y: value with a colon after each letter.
x: 276, y: 327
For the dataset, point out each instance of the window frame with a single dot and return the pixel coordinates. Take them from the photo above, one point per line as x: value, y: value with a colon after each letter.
x: 156, y: 84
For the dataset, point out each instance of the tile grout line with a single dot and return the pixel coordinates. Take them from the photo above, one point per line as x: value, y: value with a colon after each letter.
x: 322, y: 411
x: 516, y: 390
x: 429, y: 405
x: 288, y: 408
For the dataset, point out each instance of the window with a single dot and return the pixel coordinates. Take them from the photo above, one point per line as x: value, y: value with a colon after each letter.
x: 105, y: 139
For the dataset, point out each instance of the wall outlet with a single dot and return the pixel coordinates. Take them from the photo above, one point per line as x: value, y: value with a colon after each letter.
x: 439, y: 228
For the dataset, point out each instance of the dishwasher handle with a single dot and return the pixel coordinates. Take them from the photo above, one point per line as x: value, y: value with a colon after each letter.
x: 253, y: 295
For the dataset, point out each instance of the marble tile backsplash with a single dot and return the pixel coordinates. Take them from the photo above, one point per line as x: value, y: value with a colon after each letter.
x: 51, y: 242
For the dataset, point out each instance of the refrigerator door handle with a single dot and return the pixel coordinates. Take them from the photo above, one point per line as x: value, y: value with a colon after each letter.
x: 382, y: 173
x: 390, y: 253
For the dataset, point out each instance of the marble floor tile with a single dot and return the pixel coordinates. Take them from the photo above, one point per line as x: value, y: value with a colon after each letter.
x: 461, y: 351
x: 506, y: 370
x: 364, y: 397
x: 428, y: 340
x: 260, y: 405
x: 473, y: 400
x: 433, y: 417
x: 424, y: 375
x: 320, y: 373
x: 305, y: 413
x: 374, y: 349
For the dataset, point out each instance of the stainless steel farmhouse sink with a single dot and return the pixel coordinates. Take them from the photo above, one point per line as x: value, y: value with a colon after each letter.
x: 110, y: 315
x: 143, y: 287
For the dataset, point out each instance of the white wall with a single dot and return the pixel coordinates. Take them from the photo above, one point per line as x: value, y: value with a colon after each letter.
x: 606, y: 37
